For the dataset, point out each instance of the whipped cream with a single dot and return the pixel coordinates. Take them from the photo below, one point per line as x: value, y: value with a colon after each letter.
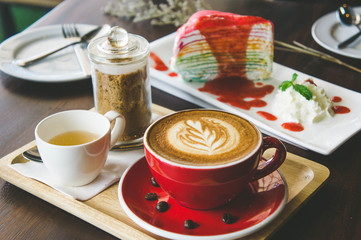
x: 291, y: 106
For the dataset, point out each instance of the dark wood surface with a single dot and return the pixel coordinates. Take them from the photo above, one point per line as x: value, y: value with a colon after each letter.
x: 332, y: 213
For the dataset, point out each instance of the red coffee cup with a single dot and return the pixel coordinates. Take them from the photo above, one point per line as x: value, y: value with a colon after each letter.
x: 207, y: 186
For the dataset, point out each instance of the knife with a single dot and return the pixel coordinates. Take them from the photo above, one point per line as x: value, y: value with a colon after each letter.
x: 69, y: 42
x: 348, y: 41
x: 82, y: 55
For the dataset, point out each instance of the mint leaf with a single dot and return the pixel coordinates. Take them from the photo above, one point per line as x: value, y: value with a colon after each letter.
x: 294, y: 76
x: 303, y: 90
x: 284, y: 85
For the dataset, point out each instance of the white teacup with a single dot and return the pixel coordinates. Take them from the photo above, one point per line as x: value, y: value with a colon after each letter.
x: 79, y: 163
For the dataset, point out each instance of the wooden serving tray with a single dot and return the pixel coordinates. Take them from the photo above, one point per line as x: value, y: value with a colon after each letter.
x: 303, y: 177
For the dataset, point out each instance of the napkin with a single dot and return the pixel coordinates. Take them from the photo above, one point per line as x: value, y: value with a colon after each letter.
x: 117, y: 162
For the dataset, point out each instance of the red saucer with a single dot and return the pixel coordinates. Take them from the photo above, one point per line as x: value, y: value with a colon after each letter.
x: 252, y: 210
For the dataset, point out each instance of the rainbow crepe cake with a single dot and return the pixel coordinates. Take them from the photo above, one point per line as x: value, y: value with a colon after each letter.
x: 214, y: 44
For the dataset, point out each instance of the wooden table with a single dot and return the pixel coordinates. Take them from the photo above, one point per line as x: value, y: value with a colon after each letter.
x: 332, y: 213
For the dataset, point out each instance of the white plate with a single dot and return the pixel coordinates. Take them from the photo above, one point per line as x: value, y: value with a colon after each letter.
x: 62, y: 66
x: 322, y: 137
x: 329, y: 32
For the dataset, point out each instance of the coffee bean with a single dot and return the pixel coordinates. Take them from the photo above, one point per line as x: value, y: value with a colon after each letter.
x: 162, y: 206
x: 154, y: 182
x: 151, y: 196
x: 189, y: 224
x: 228, y: 218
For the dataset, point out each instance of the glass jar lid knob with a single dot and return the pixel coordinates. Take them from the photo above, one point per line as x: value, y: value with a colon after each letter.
x: 118, y: 37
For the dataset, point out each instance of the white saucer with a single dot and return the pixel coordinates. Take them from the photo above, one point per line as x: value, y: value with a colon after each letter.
x: 62, y: 66
x: 329, y: 32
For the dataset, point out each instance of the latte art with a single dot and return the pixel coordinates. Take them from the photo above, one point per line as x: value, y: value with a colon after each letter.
x: 202, y: 137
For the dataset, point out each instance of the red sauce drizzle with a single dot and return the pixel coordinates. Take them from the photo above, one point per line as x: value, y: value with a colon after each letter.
x: 341, y: 109
x: 172, y: 74
x: 267, y: 116
x: 311, y: 81
x: 336, y: 99
x: 235, y: 90
x: 292, y: 126
x: 158, y: 63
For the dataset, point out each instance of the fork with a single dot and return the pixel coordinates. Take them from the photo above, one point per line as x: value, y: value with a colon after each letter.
x: 70, y: 31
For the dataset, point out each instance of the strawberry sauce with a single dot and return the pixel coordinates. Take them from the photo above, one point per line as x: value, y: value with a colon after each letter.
x: 236, y: 91
x: 340, y: 109
x: 293, y: 126
x: 158, y: 63
x: 336, y: 99
x: 172, y: 74
x: 267, y: 116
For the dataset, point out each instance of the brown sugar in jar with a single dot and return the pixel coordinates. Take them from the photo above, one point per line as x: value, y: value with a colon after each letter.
x: 128, y: 95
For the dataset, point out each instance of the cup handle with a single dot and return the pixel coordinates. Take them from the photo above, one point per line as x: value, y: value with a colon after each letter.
x: 275, y: 161
x: 118, y: 128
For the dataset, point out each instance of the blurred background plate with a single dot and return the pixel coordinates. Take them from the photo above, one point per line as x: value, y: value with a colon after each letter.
x: 329, y: 32
x: 59, y: 67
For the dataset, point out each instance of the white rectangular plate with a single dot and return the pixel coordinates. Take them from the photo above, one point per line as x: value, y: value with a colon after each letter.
x: 323, y: 137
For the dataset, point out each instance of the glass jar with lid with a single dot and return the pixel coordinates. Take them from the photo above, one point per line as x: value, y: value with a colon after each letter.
x: 120, y: 77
